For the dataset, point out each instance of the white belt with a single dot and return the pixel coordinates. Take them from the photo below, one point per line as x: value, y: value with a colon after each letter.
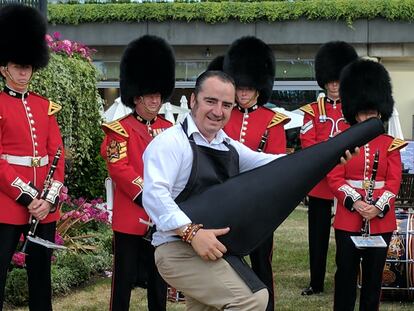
x: 364, y: 184
x: 25, y: 160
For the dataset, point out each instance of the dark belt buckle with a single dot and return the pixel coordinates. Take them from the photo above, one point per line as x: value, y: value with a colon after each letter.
x: 35, y: 162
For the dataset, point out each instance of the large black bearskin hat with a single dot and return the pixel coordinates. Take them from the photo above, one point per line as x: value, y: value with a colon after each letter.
x: 365, y: 85
x: 251, y: 63
x: 216, y: 63
x: 23, y: 31
x: 147, y: 67
x: 330, y: 59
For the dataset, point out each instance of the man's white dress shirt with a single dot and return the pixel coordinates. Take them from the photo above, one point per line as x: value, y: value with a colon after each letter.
x: 167, y: 166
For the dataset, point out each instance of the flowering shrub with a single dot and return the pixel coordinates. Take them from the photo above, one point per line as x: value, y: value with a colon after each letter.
x: 70, y: 48
x: 84, y: 229
x: 80, y: 221
x: 19, y: 259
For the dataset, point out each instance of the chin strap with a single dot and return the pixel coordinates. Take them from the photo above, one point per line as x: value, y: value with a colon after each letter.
x: 6, y: 70
x: 252, y: 100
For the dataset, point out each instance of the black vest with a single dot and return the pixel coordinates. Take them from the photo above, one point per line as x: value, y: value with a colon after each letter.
x: 211, y: 167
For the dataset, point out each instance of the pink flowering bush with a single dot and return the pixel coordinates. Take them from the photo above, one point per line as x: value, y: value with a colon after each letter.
x: 81, y: 220
x: 19, y: 259
x: 70, y: 48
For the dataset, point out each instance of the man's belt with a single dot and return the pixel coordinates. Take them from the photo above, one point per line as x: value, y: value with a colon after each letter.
x: 364, y: 184
x: 26, y: 160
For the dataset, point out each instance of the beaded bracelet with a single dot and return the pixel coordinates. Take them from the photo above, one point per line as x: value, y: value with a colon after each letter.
x: 190, y: 231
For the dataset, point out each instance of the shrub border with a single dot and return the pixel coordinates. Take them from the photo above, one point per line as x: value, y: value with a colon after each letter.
x: 221, y: 12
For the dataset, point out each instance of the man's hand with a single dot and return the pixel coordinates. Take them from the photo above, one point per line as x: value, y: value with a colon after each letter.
x: 207, y: 246
x: 349, y: 156
x: 39, y: 208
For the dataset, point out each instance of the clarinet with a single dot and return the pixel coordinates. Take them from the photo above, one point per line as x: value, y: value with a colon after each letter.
x: 48, y: 181
x: 370, y: 192
x: 263, y: 141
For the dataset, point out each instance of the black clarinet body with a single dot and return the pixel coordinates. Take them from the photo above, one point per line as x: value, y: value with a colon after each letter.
x: 263, y: 141
x: 370, y: 192
x: 48, y: 181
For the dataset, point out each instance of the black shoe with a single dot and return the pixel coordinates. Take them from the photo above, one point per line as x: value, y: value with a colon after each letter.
x: 310, y: 291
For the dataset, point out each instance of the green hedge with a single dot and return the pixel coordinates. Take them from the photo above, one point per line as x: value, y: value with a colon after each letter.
x: 221, y: 12
x: 71, y: 82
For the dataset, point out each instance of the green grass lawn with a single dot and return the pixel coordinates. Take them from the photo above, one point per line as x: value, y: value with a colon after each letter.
x: 290, y: 266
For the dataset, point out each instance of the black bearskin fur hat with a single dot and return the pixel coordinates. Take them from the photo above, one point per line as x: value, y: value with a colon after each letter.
x: 147, y: 67
x: 216, y: 63
x: 23, y: 31
x: 251, y: 63
x: 365, y: 85
x: 330, y: 59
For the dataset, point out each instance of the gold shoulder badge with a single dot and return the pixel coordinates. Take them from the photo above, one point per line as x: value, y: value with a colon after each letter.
x: 397, y: 144
x: 117, y: 127
x: 308, y: 109
x: 277, y: 119
x: 116, y: 151
x: 53, y: 108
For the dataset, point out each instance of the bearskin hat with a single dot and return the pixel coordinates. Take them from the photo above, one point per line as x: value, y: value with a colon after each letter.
x: 216, y: 63
x: 365, y: 85
x: 147, y: 67
x: 23, y: 31
x: 330, y: 59
x: 251, y: 63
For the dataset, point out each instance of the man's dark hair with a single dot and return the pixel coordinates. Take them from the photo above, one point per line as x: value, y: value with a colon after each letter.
x: 222, y: 76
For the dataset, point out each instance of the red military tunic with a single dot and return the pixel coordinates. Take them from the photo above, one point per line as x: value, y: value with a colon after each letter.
x: 28, y: 128
x: 322, y: 120
x: 347, y: 183
x: 122, y: 148
x: 250, y: 126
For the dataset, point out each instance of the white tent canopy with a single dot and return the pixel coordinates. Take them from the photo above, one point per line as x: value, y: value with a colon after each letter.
x: 394, y: 125
x: 296, y: 117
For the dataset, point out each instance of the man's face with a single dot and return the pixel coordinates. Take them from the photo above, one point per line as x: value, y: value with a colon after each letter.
x: 246, y: 97
x: 17, y: 76
x: 147, y: 106
x: 332, y: 88
x: 212, y: 108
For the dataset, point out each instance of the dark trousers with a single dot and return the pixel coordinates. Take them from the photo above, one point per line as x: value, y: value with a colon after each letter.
x: 261, y: 260
x: 37, y: 263
x: 319, y: 227
x: 134, y: 265
x: 348, y: 259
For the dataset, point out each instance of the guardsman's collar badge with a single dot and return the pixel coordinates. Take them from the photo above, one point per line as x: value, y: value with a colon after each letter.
x: 14, y: 93
x: 248, y: 110
x: 144, y: 121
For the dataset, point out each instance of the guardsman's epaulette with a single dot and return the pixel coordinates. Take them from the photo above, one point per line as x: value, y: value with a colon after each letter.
x: 53, y: 108
x: 117, y: 127
x: 397, y: 144
x: 278, y: 118
x: 308, y: 109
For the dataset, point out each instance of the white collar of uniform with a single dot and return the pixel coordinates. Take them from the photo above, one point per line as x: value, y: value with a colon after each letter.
x: 221, y: 136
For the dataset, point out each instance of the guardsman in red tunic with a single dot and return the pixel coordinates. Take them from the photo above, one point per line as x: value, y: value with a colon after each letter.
x: 323, y: 119
x: 147, y: 79
x: 365, y: 92
x: 29, y: 139
x: 251, y: 63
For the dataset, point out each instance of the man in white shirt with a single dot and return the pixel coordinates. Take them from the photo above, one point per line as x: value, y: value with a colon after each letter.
x: 197, y: 267
x: 182, y: 162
